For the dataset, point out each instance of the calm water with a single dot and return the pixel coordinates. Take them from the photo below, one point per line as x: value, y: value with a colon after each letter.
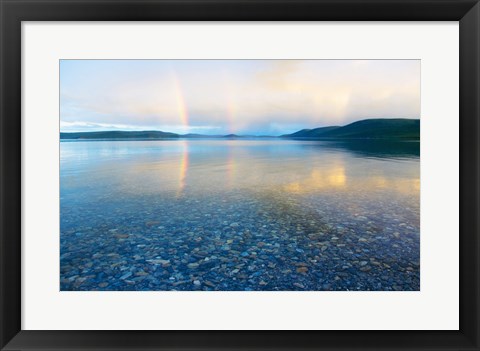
x: 239, y: 215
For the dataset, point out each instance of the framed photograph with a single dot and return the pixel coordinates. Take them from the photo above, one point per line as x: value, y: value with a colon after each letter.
x: 239, y: 175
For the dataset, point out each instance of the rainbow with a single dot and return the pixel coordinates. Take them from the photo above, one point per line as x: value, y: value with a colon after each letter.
x: 180, y: 99
x: 231, y: 111
x: 231, y: 107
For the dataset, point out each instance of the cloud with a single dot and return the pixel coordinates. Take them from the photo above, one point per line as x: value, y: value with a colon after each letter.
x: 81, y: 126
x: 244, y: 96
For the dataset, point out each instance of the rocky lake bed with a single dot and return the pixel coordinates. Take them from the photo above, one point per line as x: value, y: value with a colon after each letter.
x: 188, y: 221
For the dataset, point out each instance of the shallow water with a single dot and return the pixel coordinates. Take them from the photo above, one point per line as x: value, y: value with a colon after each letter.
x: 266, y: 214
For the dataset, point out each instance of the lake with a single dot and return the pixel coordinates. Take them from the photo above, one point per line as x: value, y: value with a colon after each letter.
x: 240, y: 214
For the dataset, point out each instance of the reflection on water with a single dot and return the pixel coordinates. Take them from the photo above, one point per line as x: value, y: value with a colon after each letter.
x: 183, y: 167
x: 331, y: 178
x: 374, y: 148
x: 239, y: 215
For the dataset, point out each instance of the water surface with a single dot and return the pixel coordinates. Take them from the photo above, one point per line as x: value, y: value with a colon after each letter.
x: 266, y: 214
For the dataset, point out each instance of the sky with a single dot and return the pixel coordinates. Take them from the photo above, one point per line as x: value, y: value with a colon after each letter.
x: 254, y: 97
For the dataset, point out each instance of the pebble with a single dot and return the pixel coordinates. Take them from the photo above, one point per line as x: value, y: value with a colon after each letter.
x: 136, y: 235
x: 126, y: 275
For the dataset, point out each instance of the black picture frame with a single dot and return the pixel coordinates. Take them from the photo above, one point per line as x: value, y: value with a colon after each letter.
x: 13, y: 12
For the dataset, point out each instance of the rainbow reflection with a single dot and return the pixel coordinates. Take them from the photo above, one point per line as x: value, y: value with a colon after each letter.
x: 184, y: 162
x: 231, y: 167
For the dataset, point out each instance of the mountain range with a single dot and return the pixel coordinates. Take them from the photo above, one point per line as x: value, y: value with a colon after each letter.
x: 379, y: 128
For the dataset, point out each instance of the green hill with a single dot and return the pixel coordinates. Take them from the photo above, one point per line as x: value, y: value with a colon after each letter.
x: 149, y: 134
x: 379, y: 128
x: 310, y: 133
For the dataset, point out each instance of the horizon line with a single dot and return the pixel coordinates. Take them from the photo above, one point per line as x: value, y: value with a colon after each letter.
x: 234, y: 134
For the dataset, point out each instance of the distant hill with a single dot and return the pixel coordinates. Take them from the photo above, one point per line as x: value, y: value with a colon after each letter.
x: 143, y: 135
x: 398, y: 129
x: 200, y: 136
x: 149, y: 134
x: 379, y: 128
x: 193, y: 136
x: 204, y: 136
x: 310, y: 133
